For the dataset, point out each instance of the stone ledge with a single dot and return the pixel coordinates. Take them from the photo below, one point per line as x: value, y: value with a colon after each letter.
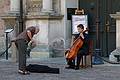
x: 30, y: 17
x: 51, y: 17
x: 116, y: 16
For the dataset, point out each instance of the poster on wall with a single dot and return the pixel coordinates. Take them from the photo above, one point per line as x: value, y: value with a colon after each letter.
x: 79, y: 19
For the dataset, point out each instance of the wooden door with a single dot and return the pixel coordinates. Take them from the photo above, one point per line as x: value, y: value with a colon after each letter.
x: 107, y: 25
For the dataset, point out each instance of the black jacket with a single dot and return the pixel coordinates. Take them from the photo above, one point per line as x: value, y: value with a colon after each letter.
x: 85, y: 47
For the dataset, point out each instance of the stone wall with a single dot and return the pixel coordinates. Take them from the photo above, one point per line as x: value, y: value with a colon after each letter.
x: 4, y: 8
x: 52, y: 25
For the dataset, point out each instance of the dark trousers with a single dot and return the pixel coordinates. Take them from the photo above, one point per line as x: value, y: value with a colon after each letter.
x: 22, y: 49
x: 79, y: 57
x: 78, y: 60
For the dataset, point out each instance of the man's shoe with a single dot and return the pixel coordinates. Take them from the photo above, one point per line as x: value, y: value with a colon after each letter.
x: 76, y: 68
x: 70, y: 67
x: 23, y: 72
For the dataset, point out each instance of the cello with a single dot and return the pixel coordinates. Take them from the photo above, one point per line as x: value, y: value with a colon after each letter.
x: 77, y: 44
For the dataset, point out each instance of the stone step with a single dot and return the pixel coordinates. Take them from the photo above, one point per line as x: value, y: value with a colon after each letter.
x: 39, y: 55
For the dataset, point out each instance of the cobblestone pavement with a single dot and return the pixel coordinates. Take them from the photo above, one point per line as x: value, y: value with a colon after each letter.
x: 8, y: 71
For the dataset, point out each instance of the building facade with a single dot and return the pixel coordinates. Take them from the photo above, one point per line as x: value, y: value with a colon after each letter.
x: 54, y: 20
x: 50, y: 16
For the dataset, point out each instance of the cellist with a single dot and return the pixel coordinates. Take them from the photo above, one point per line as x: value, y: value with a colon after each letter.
x: 82, y: 51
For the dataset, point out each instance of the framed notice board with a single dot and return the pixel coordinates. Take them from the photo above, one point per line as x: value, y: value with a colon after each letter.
x: 79, y: 19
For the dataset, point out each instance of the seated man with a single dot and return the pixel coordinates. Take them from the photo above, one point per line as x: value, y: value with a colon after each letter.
x: 82, y: 50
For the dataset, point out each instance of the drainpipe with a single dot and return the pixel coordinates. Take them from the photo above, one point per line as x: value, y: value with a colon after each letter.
x: 21, y: 18
x: 97, y: 53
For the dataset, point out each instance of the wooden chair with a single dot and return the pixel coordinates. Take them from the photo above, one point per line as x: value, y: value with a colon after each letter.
x: 87, y: 59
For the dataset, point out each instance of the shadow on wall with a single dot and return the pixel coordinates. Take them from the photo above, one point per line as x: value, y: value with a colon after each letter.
x: 57, y: 47
x: 2, y: 46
